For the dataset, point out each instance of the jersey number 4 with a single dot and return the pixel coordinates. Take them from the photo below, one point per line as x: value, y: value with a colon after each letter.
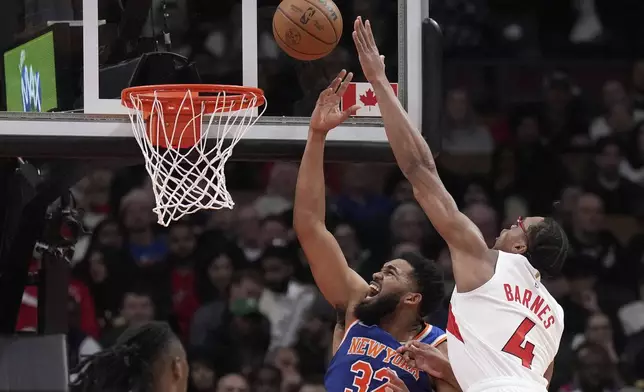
x: 364, y: 374
x: 519, y: 346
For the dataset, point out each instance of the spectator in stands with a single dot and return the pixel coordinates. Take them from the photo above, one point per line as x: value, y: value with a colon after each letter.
x: 279, y: 191
x: 486, y: 219
x: 593, y: 370
x: 146, y: 247
x: 275, y: 231
x: 267, y: 378
x: 615, y: 100
x: 92, y: 195
x: 232, y: 383
x: 618, y: 194
x: 79, y: 344
x: 589, y: 238
x: 96, y: 197
x: 287, y: 361
x: 632, y: 165
x: 248, y: 233
x: 463, y: 132
x: 137, y: 309
x: 476, y: 192
x: 356, y: 255
x: 568, y: 204
x: 540, y: 175
x: 599, y: 330
x: 202, y: 372
x: 214, y: 277
x: 622, y: 120
x: 409, y: 224
x: 315, y: 338
x: 360, y: 202
x: 223, y: 223
x: 106, y: 275
x: 505, y: 185
x: 108, y: 234
x: 310, y: 387
x: 284, y: 301
x: 243, y: 336
x: 182, y: 258
x: 562, y: 116
x: 245, y: 288
x: 581, y: 300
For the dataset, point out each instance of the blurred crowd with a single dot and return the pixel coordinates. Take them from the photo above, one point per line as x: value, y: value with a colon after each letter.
x: 235, y: 285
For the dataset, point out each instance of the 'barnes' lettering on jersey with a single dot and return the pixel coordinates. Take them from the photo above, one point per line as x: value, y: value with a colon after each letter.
x: 525, y: 297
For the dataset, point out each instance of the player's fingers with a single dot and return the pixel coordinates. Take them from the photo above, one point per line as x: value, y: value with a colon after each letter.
x: 324, y: 94
x: 356, y: 40
x: 395, y: 381
x: 369, y: 35
x: 359, y: 28
x: 350, y: 112
x: 345, y: 84
x: 337, y: 81
x: 414, y: 349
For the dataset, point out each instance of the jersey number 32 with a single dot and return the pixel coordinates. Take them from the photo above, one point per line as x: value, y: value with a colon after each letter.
x: 519, y: 346
x: 364, y: 373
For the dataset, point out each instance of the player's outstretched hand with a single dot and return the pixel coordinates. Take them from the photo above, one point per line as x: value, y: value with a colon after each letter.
x: 327, y: 114
x: 373, y: 64
x: 426, y: 358
x: 395, y: 384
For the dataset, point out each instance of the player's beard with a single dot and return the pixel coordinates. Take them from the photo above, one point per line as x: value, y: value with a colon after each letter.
x: 371, y: 312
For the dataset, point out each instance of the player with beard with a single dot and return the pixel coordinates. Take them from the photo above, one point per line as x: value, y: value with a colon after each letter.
x: 379, y: 316
x: 504, y: 328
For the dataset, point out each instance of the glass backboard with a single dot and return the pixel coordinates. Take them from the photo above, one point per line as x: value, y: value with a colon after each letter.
x: 66, y: 61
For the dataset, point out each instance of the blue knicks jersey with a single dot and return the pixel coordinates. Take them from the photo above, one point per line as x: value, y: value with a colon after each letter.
x: 360, y: 363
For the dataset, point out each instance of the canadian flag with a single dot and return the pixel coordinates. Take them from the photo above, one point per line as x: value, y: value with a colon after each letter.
x: 363, y: 95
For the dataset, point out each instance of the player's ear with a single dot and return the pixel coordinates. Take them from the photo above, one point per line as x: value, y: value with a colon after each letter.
x: 520, y: 246
x: 177, y: 369
x: 413, y: 298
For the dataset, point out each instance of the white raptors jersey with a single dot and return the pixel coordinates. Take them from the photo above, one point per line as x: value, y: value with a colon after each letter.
x: 506, y: 332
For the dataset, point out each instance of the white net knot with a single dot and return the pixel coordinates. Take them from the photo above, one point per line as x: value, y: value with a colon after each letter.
x: 189, y: 179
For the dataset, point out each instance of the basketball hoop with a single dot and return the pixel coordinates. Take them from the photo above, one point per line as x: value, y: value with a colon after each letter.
x: 172, y: 129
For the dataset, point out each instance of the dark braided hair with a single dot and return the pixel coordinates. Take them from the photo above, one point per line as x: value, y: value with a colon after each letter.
x: 127, y: 366
x: 547, y: 247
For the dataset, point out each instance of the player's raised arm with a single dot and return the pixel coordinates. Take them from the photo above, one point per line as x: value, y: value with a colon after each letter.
x: 339, y: 283
x: 415, y: 159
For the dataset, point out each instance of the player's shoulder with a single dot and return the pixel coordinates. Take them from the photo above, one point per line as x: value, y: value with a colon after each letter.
x: 432, y: 335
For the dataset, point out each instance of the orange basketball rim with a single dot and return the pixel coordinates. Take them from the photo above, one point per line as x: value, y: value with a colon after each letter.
x: 174, y: 113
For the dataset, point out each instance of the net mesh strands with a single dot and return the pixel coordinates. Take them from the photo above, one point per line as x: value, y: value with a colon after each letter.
x: 186, y: 136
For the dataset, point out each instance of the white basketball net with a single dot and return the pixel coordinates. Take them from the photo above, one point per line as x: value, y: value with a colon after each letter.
x: 190, y: 179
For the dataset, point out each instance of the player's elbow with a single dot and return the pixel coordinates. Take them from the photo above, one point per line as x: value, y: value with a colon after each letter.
x: 418, y: 171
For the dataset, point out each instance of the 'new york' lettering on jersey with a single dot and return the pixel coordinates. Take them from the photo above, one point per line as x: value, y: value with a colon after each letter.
x: 360, y: 363
x: 506, y: 332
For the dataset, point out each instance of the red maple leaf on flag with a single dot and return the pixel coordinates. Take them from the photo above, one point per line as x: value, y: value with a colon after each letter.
x: 369, y: 98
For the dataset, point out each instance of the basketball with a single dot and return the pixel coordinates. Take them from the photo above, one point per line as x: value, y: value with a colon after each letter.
x: 307, y: 29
